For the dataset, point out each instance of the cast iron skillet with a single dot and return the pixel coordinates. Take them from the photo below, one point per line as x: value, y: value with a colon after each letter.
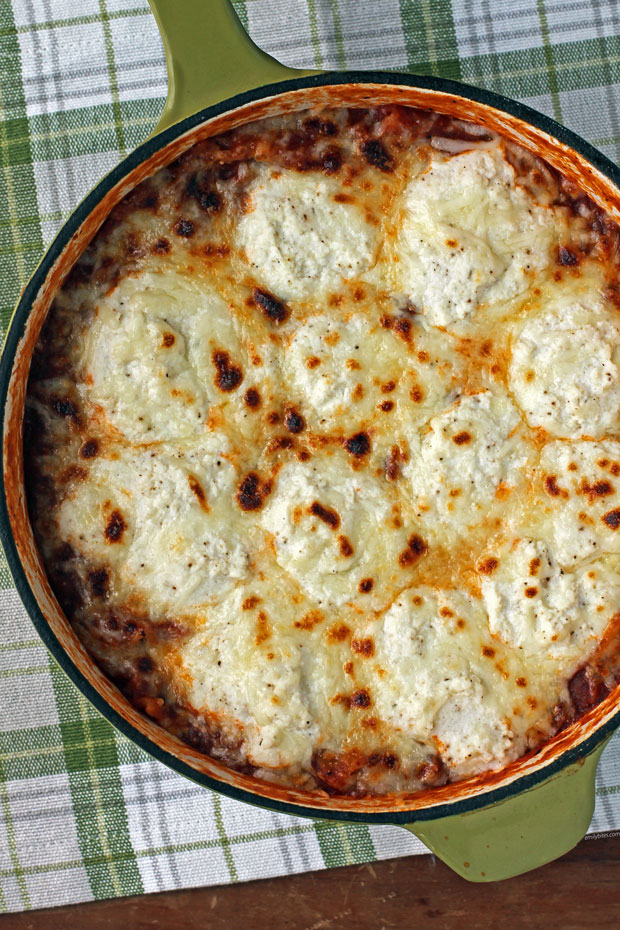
x: 487, y: 827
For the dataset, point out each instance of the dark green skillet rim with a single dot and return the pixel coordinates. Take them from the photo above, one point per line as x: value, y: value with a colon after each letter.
x: 16, y: 329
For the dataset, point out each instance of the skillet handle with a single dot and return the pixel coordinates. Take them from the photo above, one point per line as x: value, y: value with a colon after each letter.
x: 209, y: 56
x: 521, y: 833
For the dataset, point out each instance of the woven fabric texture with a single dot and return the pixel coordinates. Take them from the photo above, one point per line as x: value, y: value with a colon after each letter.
x: 83, y: 813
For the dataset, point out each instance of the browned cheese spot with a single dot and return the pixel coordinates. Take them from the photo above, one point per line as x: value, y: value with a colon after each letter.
x: 184, y: 228
x: 115, y: 527
x: 331, y: 160
x: 274, y: 309
x: 273, y: 417
x: 313, y: 362
x: 66, y: 408
x: 310, y: 620
x: 360, y: 698
x: 400, y: 325
x: 208, y: 200
x: 416, y: 394
x: 462, y: 438
x: 145, y: 665
x: 363, y: 647
x: 338, y: 633
x: 251, y: 602
x: 251, y: 398
x: 161, y: 247
x: 612, y: 519
x: 167, y: 340
x: 596, y: 490
x: 346, y: 549
x: 365, y: 586
x: 531, y: 592
x: 566, y: 257
x: 89, y: 449
x: 521, y: 683
x: 552, y: 488
x: 376, y: 154
x: 99, y: 581
x: 348, y: 668
x: 402, y: 328
x: 252, y: 492
x: 280, y: 442
x: 262, y: 626
x: 388, y: 387
x: 488, y: 566
x: 488, y: 652
x: 228, y: 377
x: 358, y: 445
x: 534, y: 566
x: 446, y: 612
x: 392, y: 463
x: 387, y: 406
x: 197, y: 489
x: 326, y: 514
x: 293, y: 420
x: 416, y: 548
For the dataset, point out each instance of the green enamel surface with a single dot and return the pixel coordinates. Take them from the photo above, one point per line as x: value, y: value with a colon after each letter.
x: 521, y: 833
x: 209, y: 56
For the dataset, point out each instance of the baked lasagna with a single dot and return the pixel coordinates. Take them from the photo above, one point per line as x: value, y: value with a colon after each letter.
x: 322, y: 449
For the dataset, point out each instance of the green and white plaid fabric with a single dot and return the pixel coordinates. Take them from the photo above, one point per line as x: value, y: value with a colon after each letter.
x: 83, y: 813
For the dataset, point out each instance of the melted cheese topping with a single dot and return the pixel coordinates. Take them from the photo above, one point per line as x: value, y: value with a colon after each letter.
x: 300, y: 239
x: 149, y: 353
x: 564, y: 372
x: 159, y: 517
x: 321, y: 437
x: 472, y: 458
x: 470, y: 236
x: 580, y: 499
x: 330, y: 548
x: 456, y: 703
x: 536, y: 606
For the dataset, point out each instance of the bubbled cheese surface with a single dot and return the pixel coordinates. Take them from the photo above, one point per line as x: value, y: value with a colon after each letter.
x: 470, y: 236
x: 299, y: 239
x: 354, y: 432
x: 564, y: 369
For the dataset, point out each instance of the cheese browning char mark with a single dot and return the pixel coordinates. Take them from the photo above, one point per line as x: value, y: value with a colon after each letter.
x: 388, y: 558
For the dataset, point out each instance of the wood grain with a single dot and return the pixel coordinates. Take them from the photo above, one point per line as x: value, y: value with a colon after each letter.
x: 578, y: 892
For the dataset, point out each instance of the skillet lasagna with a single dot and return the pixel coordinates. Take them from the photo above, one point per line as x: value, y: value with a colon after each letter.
x: 323, y: 449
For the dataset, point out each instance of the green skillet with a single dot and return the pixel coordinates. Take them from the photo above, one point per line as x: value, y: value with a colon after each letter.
x: 488, y: 827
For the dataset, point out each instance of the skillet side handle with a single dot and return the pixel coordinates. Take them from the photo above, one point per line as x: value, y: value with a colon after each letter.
x: 209, y: 56
x: 521, y: 833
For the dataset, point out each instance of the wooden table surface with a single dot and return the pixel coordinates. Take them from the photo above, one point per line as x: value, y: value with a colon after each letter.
x: 581, y: 891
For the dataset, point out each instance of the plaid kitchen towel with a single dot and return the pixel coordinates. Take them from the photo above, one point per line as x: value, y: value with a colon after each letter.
x: 83, y: 813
